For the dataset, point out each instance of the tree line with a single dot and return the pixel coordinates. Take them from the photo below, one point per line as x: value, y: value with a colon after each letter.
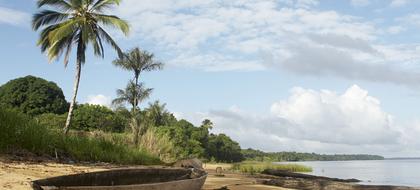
x: 257, y: 155
x: 38, y: 98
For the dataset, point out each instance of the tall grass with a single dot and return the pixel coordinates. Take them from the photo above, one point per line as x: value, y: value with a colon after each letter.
x: 18, y: 131
x: 258, y: 167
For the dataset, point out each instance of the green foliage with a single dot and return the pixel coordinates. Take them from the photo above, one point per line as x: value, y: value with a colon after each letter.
x: 258, y: 167
x: 18, y: 131
x: 224, y: 149
x: 158, y: 145
x: 92, y: 117
x: 50, y: 120
x: 181, y: 135
x: 256, y: 155
x: 33, y: 96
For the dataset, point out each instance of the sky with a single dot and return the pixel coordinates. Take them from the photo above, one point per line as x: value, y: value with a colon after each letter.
x: 321, y: 76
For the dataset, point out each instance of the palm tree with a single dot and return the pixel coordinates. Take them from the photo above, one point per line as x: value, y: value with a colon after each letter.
x: 156, y: 112
x: 138, y: 61
x: 133, y: 94
x: 206, y: 123
x: 76, y: 23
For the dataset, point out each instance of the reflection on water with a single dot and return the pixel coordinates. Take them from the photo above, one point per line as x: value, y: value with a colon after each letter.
x: 378, y: 172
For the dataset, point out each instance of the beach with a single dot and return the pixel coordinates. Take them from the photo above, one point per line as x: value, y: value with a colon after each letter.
x: 17, y: 174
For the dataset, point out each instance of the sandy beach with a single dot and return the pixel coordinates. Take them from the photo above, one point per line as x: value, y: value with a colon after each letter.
x: 17, y: 174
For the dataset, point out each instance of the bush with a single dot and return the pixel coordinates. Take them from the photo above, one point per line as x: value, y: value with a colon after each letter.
x: 18, y: 131
x: 33, y: 96
x: 50, y: 120
x: 92, y: 117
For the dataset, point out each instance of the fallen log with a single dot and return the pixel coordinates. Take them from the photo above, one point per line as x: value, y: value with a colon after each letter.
x: 283, y: 173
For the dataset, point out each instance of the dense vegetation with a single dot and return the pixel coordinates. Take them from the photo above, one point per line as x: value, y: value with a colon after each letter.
x: 33, y: 112
x: 33, y: 96
x: 257, y: 155
x: 20, y: 132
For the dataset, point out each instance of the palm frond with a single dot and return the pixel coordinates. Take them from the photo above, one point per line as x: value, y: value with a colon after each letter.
x: 110, y: 41
x: 100, y: 5
x: 46, y: 17
x: 113, y: 21
x: 62, y: 4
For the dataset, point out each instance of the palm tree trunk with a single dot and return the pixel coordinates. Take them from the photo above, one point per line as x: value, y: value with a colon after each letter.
x: 73, y: 100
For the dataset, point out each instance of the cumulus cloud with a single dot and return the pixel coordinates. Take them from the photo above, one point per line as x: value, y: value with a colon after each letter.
x: 319, y: 121
x: 13, y: 17
x: 99, y: 99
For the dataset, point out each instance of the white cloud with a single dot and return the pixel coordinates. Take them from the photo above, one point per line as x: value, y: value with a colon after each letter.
x: 99, y: 100
x: 13, y: 17
x: 398, y: 3
x: 395, y: 29
x: 360, y: 3
x: 319, y: 121
x: 252, y: 35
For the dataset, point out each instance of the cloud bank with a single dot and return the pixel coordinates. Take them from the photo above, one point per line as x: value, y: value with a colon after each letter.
x: 319, y: 121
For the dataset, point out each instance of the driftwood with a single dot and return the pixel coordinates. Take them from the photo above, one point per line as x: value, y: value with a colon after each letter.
x: 310, y: 182
x: 283, y: 173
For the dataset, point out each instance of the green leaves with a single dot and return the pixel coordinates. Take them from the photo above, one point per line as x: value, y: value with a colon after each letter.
x: 33, y: 95
x: 78, y: 25
x: 113, y: 21
x: 46, y: 17
x: 138, y: 61
x: 133, y: 94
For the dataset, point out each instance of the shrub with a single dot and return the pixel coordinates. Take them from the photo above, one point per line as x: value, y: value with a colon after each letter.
x: 33, y: 96
x: 92, y: 117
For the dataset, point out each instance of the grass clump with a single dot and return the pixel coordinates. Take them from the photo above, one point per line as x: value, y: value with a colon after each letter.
x: 258, y: 167
x: 20, y: 132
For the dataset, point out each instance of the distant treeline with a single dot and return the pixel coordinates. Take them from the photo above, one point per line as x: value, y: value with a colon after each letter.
x: 257, y: 155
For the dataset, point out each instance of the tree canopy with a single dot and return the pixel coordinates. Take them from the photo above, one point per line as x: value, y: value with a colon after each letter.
x: 33, y: 96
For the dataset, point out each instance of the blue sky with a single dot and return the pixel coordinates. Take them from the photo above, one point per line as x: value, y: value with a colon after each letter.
x: 307, y: 75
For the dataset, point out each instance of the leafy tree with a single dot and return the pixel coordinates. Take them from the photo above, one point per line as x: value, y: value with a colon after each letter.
x: 75, y: 23
x: 33, y: 96
x: 181, y: 134
x: 92, y: 117
x: 223, y: 149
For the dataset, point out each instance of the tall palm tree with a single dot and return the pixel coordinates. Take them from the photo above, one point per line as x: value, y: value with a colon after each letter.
x: 138, y: 61
x: 133, y: 94
x: 75, y: 23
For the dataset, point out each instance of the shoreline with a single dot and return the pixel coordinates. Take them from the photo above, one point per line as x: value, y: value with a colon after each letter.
x: 17, y: 173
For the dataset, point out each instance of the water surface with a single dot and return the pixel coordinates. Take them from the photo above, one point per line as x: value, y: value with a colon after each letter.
x: 378, y: 172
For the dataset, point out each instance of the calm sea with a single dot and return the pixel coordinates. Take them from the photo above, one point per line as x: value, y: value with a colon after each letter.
x: 378, y: 172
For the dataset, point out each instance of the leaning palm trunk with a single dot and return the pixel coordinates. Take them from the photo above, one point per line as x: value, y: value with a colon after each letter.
x: 73, y: 100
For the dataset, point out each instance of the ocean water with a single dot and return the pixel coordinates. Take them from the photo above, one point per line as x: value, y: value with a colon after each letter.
x: 378, y: 172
